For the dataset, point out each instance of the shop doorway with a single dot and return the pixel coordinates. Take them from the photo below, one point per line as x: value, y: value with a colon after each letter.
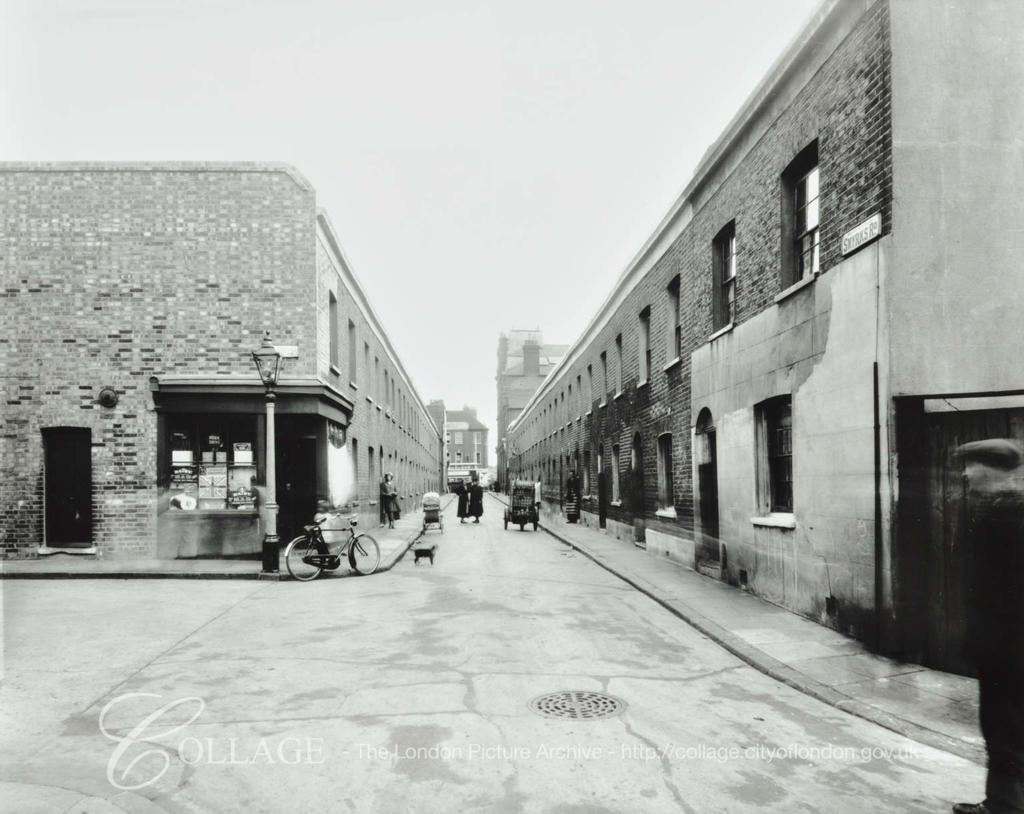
x: 296, y: 484
x: 68, y: 486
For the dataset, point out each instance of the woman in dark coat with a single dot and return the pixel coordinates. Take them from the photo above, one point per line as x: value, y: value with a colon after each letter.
x: 476, y: 501
x: 463, y: 495
x: 389, y: 498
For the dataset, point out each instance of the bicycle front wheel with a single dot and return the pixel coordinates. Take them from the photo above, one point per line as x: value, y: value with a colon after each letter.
x: 364, y: 554
x: 295, y: 557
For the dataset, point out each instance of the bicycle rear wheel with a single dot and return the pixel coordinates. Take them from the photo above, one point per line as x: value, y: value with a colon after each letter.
x: 296, y: 553
x: 364, y: 554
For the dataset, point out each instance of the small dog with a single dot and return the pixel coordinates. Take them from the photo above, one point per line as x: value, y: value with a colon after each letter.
x: 426, y: 551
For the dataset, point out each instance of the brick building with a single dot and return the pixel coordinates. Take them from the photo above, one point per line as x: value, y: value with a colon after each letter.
x: 133, y: 417
x: 465, y: 442
x: 524, y: 361
x: 773, y: 390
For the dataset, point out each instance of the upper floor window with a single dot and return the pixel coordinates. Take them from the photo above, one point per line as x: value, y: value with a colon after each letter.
x: 618, y: 362
x: 604, y: 376
x: 801, y: 216
x: 351, y: 351
x: 333, y: 314
x: 724, y: 276
x: 590, y: 385
x: 675, y: 338
x: 645, y: 344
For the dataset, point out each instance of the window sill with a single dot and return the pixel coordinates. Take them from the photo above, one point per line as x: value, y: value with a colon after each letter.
x: 669, y: 513
x: 615, y: 503
x: 641, y: 383
x: 602, y: 405
x: 335, y: 370
x: 568, y: 424
x: 722, y: 331
x: 776, y: 520
x: 579, y: 418
x: 353, y: 385
x: 369, y: 399
x: 589, y: 412
x: 673, y: 363
x: 797, y: 286
x: 618, y: 395
x: 380, y: 408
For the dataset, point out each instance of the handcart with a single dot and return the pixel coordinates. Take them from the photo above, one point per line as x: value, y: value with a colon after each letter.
x: 523, y: 506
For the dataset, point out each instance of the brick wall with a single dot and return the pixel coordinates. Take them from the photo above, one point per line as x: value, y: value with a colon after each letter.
x: 841, y: 98
x: 113, y: 274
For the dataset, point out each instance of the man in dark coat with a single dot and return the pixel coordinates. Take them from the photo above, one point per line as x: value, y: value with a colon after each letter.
x: 476, y: 501
x: 463, y: 495
x: 995, y: 539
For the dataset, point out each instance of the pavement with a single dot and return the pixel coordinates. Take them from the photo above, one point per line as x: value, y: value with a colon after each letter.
x: 929, y: 706
x: 393, y: 545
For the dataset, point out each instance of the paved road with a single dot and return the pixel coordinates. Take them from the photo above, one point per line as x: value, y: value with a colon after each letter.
x: 410, y: 691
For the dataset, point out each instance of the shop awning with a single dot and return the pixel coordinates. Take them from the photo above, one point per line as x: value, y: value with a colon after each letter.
x: 237, y: 394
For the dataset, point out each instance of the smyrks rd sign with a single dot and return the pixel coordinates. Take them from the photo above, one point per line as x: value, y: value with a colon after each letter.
x: 862, y: 235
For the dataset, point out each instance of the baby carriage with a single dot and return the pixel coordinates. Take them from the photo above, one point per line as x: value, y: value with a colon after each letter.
x: 432, y: 511
x: 431, y: 517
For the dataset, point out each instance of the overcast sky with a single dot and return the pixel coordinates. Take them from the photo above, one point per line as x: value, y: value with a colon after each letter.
x: 488, y: 164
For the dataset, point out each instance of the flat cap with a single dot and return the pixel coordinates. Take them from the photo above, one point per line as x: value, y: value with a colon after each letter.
x: 998, y: 453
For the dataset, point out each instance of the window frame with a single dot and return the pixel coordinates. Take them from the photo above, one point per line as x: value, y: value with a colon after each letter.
x: 724, y: 276
x: 333, y: 329
x: 794, y: 232
x: 644, y: 344
x: 775, y: 486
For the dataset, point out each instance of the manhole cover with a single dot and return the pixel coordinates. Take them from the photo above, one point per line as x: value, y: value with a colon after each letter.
x: 577, y: 704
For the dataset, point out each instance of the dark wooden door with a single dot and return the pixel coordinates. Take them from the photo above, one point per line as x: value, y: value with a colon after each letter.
x: 296, y: 484
x: 68, y: 460
x: 947, y: 556
x: 707, y: 476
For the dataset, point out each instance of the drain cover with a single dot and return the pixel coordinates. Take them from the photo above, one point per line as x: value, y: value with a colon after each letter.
x: 577, y: 704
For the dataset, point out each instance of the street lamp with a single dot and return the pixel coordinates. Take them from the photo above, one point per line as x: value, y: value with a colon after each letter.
x: 268, y: 363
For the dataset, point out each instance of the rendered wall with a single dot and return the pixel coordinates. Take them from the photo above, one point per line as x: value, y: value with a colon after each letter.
x: 958, y: 212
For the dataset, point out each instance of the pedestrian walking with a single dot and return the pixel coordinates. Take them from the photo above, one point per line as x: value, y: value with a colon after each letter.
x: 476, y: 501
x: 572, y: 498
x: 389, y: 498
x: 995, y: 541
x: 463, y: 495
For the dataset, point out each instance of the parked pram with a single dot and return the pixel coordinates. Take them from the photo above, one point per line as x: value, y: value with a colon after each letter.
x: 431, y: 517
x: 432, y: 511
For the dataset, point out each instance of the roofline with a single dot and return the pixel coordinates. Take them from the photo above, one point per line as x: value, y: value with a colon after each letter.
x: 680, y: 214
x: 326, y: 228
x: 161, y: 166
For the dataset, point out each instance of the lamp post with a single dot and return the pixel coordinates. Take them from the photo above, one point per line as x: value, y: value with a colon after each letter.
x: 268, y: 363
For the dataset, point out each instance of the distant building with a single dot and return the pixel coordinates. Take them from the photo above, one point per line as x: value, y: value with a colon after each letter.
x: 465, y: 439
x: 524, y: 361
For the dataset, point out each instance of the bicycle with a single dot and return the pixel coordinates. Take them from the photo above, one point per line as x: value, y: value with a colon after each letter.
x: 309, y: 555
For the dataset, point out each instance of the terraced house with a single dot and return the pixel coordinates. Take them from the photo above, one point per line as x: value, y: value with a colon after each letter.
x: 134, y: 418
x: 772, y: 391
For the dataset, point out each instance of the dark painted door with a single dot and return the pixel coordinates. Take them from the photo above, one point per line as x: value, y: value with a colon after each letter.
x: 296, y: 484
x: 68, y: 453
x: 707, y: 476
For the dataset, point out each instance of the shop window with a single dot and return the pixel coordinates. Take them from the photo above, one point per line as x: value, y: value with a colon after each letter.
x: 724, y: 276
x: 774, y: 422
x: 212, y: 462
